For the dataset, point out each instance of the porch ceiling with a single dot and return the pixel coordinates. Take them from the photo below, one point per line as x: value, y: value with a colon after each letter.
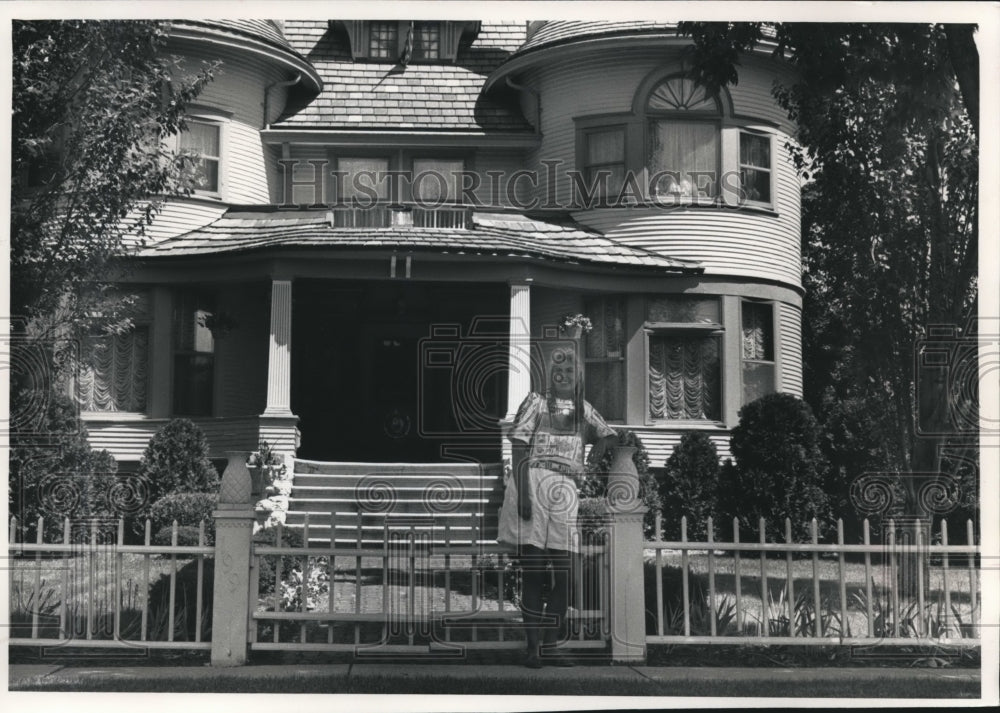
x: 508, y: 235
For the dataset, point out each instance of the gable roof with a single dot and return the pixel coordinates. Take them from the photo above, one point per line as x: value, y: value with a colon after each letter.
x: 387, y: 96
x: 493, y: 234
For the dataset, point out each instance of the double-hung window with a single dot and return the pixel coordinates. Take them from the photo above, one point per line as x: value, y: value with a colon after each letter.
x: 437, y: 181
x: 604, y: 161
x: 757, y: 347
x: 203, y: 138
x: 755, y: 167
x: 363, y: 180
x: 683, y: 144
x: 684, y: 347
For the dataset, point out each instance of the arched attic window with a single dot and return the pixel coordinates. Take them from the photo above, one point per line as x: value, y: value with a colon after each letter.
x: 683, y: 127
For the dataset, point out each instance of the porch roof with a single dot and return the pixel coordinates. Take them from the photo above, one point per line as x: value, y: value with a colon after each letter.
x: 509, y: 235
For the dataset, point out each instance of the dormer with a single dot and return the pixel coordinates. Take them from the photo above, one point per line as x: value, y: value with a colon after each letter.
x: 407, y: 41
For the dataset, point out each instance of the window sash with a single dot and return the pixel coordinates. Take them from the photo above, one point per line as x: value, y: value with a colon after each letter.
x: 684, y: 372
x: 358, y: 172
x: 114, y: 374
x: 755, y: 167
x: 605, y: 151
x: 205, y: 139
x: 688, y: 151
x: 383, y: 40
x: 426, y: 40
x: 428, y: 187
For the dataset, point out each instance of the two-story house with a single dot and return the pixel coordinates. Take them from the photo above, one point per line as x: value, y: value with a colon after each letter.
x: 392, y: 215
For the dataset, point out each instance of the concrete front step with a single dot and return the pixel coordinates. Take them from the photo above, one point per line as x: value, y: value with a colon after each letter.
x: 416, y: 506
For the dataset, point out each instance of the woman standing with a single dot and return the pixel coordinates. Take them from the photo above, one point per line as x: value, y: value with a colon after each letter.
x: 539, y: 511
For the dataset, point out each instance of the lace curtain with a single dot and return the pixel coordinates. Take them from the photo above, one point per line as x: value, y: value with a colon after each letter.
x: 113, y: 376
x: 757, y: 332
x: 684, y: 378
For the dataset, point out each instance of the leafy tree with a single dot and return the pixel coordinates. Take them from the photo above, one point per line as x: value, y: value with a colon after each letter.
x: 887, y: 118
x: 93, y: 102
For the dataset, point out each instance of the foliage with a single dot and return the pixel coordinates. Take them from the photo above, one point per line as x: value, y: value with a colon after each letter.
x: 269, y: 536
x: 187, y: 536
x: 182, y: 618
x: 595, y: 481
x: 54, y: 473
x: 188, y: 509
x: 779, y: 467
x: 176, y: 461
x: 689, y: 486
x: 887, y: 118
x: 93, y: 102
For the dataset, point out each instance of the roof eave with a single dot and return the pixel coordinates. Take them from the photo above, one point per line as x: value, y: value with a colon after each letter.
x: 396, y: 138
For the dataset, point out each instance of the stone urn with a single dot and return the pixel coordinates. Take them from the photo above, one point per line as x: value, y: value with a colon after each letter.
x: 236, y: 489
x: 623, y: 479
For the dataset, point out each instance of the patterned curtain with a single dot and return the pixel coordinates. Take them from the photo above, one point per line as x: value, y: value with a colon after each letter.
x: 113, y: 376
x: 684, y: 378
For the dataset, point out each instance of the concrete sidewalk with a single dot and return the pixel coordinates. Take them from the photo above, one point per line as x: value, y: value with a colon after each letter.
x: 516, y: 675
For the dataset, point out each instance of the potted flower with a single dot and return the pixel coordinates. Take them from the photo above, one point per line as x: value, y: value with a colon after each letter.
x: 575, y: 325
x: 265, y: 466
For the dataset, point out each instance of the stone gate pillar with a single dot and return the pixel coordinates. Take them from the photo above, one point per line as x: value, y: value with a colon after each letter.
x: 231, y: 600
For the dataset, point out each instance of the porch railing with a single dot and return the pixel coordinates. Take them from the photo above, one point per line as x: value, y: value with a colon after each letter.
x: 742, y: 592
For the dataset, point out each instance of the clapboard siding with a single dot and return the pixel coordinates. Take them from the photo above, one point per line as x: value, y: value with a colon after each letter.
x: 241, y: 355
x: 790, y: 344
x: 180, y: 216
x: 238, y: 88
x: 606, y: 82
x: 660, y: 443
x: 724, y: 241
x: 507, y: 162
x: 126, y: 440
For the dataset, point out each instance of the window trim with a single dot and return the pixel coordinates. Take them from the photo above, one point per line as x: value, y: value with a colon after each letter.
x: 220, y: 119
x: 707, y: 329
x: 392, y: 165
x: 773, y: 362
x: 583, y: 142
x: 360, y: 34
x: 145, y: 320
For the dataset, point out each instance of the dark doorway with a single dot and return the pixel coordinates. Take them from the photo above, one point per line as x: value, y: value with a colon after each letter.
x: 399, y: 372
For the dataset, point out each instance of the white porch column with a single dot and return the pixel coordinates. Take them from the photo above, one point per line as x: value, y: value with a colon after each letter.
x: 519, y: 360
x: 278, y: 425
x: 279, y: 360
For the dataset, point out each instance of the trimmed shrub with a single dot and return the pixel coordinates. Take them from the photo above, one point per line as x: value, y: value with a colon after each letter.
x: 595, y: 482
x: 188, y: 509
x: 176, y: 461
x: 689, y: 487
x: 187, y: 536
x: 779, y: 468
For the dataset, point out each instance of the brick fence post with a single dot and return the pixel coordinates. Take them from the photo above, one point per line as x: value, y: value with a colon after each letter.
x: 234, y: 520
x: 623, y: 512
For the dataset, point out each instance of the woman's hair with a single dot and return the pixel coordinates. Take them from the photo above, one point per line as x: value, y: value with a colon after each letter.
x: 557, y: 356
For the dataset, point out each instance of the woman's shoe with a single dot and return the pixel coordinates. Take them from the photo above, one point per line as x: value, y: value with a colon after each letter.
x: 552, y: 657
